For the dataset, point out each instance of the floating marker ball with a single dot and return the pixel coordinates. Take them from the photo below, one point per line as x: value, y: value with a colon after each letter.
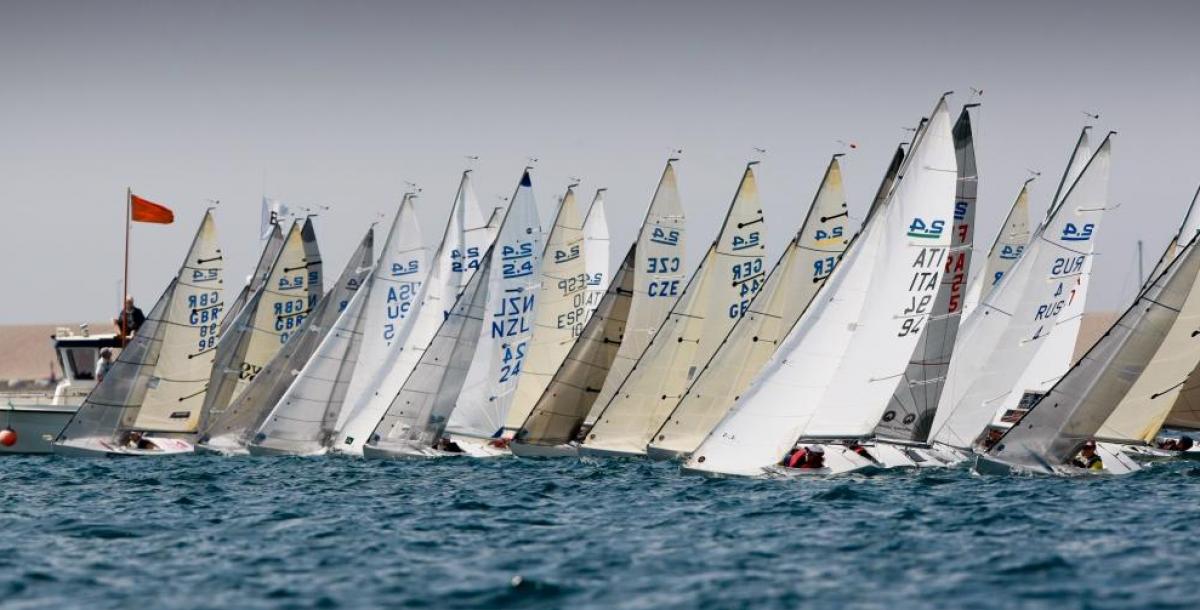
x: 8, y: 437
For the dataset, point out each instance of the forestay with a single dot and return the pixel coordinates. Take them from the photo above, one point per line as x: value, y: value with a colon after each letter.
x: 997, y: 343
x: 233, y: 429
x: 1055, y: 428
x: 909, y: 414
x: 838, y: 365
x: 504, y: 343
x: 792, y: 284
x: 157, y: 382
x: 561, y: 310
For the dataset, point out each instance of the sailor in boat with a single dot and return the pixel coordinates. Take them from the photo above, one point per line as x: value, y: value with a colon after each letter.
x: 810, y: 457
x: 858, y: 448
x: 991, y: 437
x: 133, y: 439
x: 129, y: 319
x: 104, y: 363
x: 1087, y: 458
x: 1180, y: 444
x: 448, y: 446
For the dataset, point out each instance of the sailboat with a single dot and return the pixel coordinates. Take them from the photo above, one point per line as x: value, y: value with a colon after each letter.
x: 269, y: 318
x: 233, y: 430
x: 561, y: 310
x: 719, y: 292
x: 832, y: 376
x: 633, y: 307
x: 476, y: 354
x: 792, y: 284
x: 998, y: 342
x: 151, y: 398
x: 909, y: 415
x: 256, y: 280
x: 1047, y: 438
x: 1008, y: 246
x: 467, y: 235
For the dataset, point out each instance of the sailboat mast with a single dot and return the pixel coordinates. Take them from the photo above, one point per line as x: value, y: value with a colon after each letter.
x: 125, y: 280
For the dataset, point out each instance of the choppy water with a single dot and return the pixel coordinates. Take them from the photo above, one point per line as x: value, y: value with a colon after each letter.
x: 199, y: 532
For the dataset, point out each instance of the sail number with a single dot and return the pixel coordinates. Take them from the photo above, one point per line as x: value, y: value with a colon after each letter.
x: 461, y: 260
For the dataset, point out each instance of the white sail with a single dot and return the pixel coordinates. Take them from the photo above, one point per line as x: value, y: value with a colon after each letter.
x: 1006, y: 249
x: 1055, y: 428
x: 792, y: 284
x: 504, y: 343
x: 909, y: 414
x: 834, y: 377
x: 561, y: 311
x: 596, y: 251
x: 416, y: 418
x: 658, y: 282
x: 1080, y: 156
x: 157, y: 383
x: 232, y: 429
x: 729, y: 276
x: 464, y: 241
x: 268, y: 320
x: 256, y: 280
x: 997, y: 343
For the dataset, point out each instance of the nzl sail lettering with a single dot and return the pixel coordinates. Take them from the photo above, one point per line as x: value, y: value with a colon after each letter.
x: 518, y: 260
x: 512, y: 320
x: 574, y: 288
x: 206, y: 310
x: 660, y: 265
x: 921, y: 287
x: 748, y: 278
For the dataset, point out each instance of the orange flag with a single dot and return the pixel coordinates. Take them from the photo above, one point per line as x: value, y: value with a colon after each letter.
x: 145, y: 210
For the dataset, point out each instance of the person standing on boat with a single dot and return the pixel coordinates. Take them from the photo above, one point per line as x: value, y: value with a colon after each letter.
x: 129, y: 319
x: 1087, y: 458
x: 103, y: 364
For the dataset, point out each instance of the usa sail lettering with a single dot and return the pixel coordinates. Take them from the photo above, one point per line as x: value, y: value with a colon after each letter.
x: 1073, y: 233
x: 461, y: 260
x: 742, y: 243
x: 748, y: 277
x: 927, y: 267
x: 518, y: 260
x: 206, y: 309
x: 399, y: 304
x: 669, y: 237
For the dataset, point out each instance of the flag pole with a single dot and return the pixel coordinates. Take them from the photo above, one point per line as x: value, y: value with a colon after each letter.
x: 125, y: 282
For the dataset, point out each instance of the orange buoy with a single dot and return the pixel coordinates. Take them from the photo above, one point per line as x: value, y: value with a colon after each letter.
x: 8, y: 437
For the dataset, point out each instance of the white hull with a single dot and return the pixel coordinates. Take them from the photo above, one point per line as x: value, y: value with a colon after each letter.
x: 105, y: 447
x: 266, y: 451
x: 907, y: 456
x: 480, y: 447
x: 543, y: 451
x: 666, y: 455
x: 36, y: 426
x: 406, y: 452
x: 593, y: 452
x: 1115, y: 463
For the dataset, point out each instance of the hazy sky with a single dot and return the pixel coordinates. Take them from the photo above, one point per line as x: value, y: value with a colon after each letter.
x: 340, y: 103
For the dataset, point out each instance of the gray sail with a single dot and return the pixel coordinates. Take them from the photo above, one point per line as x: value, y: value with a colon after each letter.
x: 558, y: 415
x: 909, y: 416
x: 232, y: 428
x: 417, y: 416
x: 1058, y: 425
x: 269, y: 252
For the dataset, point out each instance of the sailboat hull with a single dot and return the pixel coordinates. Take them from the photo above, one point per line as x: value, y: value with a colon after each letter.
x: 104, y: 447
x: 665, y: 455
x: 480, y: 447
x: 596, y: 452
x: 268, y: 451
x: 403, y: 452
x: 221, y: 445
x: 543, y: 451
x: 36, y: 426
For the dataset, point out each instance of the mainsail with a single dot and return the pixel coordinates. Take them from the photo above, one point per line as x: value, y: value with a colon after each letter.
x: 233, y: 429
x: 626, y: 318
x: 729, y: 276
x: 466, y: 237
x: 1006, y: 249
x: 996, y: 345
x: 157, y: 382
x: 561, y: 310
x: 268, y: 320
x: 595, y: 251
x: 909, y: 415
x: 1072, y: 412
x: 512, y: 294
x: 795, y: 280
x: 837, y: 367
x: 256, y: 280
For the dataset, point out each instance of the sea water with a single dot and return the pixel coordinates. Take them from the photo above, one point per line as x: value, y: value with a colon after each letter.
x: 206, y: 532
